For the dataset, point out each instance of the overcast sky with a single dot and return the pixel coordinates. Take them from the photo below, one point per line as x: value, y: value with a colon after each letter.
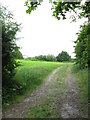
x: 41, y: 32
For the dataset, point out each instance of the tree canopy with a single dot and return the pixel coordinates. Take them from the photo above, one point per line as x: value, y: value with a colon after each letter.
x: 63, y: 56
x: 61, y: 7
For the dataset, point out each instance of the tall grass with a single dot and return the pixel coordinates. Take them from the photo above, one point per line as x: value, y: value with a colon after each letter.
x: 29, y: 75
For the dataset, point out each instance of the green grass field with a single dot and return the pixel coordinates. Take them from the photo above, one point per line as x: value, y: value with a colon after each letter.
x: 29, y: 75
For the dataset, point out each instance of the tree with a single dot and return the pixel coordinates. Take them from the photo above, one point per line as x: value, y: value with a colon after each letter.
x: 9, y: 47
x: 60, y: 8
x: 82, y: 48
x: 41, y: 57
x: 50, y: 57
x: 63, y: 56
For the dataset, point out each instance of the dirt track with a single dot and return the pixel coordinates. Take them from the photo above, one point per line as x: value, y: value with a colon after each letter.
x: 68, y: 106
x: 19, y: 110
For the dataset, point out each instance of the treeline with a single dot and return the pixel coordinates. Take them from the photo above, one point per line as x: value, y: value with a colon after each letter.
x: 82, y: 48
x: 62, y: 57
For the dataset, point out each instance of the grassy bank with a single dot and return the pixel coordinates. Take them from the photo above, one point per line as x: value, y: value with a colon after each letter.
x: 29, y: 75
x: 82, y: 86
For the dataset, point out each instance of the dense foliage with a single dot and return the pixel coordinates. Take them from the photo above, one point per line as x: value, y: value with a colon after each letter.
x: 63, y: 56
x: 61, y: 8
x: 82, y: 48
x: 9, y: 30
x: 9, y: 50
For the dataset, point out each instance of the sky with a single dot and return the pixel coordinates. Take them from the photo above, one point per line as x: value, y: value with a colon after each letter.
x: 41, y: 33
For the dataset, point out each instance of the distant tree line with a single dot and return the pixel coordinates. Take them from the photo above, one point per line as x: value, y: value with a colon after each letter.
x: 62, y: 57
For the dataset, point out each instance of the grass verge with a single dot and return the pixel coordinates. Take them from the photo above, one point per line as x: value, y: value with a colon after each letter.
x: 82, y: 83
